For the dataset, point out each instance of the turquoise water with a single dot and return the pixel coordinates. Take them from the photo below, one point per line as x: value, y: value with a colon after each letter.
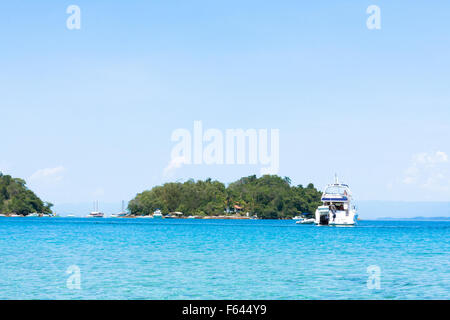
x: 215, y: 259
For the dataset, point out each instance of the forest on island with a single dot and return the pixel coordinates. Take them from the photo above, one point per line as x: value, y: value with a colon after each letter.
x: 268, y: 197
x: 16, y: 198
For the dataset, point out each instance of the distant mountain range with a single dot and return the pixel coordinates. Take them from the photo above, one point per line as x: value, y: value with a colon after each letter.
x: 403, y: 210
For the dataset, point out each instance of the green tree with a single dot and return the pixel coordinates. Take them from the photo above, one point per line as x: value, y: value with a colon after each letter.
x: 269, y: 197
x: 16, y: 198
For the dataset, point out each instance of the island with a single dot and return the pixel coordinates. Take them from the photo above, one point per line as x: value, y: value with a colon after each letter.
x: 17, y: 199
x: 267, y: 197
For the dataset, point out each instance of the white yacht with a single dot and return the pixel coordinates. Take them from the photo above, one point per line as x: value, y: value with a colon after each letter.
x: 157, y: 214
x: 337, y: 207
x: 96, y: 213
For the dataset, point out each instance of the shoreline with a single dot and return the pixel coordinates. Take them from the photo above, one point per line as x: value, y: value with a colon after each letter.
x: 193, y: 218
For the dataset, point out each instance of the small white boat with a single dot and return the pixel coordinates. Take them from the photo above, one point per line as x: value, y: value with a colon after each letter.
x: 297, y: 218
x: 337, y: 207
x: 306, y: 221
x: 157, y: 214
x: 34, y: 214
x: 144, y: 217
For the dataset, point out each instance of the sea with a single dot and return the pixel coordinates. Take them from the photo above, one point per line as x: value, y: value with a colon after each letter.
x: 189, y: 259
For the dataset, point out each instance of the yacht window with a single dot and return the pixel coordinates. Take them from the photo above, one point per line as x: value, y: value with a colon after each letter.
x: 337, y: 190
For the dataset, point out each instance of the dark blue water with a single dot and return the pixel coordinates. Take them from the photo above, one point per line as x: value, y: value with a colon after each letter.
x: 220, y: 259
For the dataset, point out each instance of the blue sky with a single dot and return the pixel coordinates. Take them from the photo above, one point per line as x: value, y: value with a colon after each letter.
x: 88, y: 114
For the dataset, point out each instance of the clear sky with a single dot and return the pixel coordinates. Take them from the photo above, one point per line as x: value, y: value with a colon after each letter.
x: 88, y: 114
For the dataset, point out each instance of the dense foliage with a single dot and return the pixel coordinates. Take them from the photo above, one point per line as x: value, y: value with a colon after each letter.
x: 16, y: 198
x: 269, y: 197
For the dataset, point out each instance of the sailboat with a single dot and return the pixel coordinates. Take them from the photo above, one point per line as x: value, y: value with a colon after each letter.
x: 96, y: 213
x: 121, y: 214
